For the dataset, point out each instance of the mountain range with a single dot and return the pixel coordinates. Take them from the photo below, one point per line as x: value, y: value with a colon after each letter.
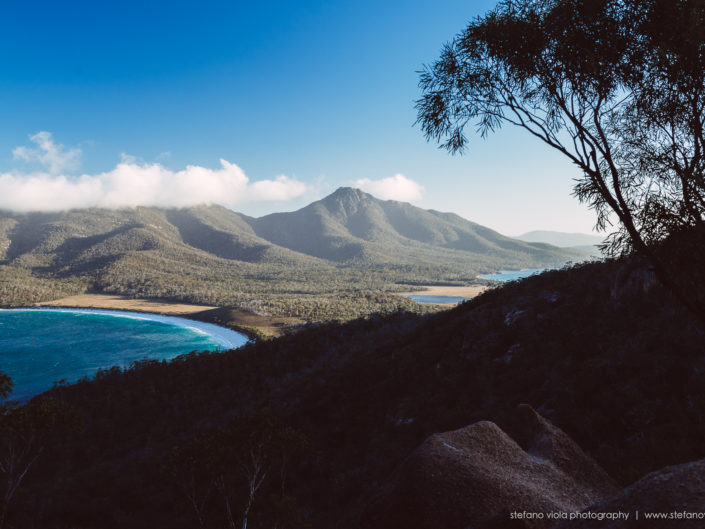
x: 348, y: 226
x: 349, y: 241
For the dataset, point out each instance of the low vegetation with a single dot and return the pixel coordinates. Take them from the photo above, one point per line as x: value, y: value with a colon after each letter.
x: 19, y: 287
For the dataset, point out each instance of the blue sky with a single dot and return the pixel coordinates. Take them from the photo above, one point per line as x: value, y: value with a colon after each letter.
x: 297, y: 97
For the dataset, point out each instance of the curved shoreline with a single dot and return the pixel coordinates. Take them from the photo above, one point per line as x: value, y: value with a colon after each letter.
x: 223, y: 336
x: 254, y: 326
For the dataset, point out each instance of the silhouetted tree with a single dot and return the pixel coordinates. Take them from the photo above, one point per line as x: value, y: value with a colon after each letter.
x: 5, y: 385
x: 236, y: 461
x: 25, y: 432
x: 191, y: 468
x: 616, y: 86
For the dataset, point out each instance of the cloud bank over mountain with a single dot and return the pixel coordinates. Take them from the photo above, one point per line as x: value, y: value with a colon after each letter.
x: 397, y: 187
x: 130, y: 183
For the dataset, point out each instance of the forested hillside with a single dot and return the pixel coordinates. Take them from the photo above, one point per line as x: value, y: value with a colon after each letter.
x: 340, y: 257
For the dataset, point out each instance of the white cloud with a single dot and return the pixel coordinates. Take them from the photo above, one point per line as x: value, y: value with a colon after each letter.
x: 132, y: 183
x: 53, y: 156
x: 397, y: 187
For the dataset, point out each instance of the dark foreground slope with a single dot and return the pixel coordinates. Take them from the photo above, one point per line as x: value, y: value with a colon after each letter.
x: 600, y: 351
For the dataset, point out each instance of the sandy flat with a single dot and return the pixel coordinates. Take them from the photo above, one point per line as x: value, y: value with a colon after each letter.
x: 464, y: 292
x: 271, y: 326
x: 105, y: 301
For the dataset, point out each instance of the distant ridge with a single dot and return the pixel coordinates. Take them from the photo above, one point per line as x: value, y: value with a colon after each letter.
x: 351, y: 225
x: 561, y: 239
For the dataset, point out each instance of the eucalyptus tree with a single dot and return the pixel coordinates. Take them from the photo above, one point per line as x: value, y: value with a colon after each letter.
x: 237, y: 461
x: 616, y: 86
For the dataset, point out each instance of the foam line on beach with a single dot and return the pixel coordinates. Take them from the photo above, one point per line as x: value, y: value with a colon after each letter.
x: 226, y: 338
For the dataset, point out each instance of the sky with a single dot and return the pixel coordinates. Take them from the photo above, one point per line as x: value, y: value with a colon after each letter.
x: 261, y: 107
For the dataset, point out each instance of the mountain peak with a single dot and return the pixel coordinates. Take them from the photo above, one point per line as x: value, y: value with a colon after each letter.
x: 348, y: 194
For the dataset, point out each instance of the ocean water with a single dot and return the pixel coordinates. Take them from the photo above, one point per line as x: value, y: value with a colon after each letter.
x: 41, y: 346
x: 435, y: 300
x: 512, y: 275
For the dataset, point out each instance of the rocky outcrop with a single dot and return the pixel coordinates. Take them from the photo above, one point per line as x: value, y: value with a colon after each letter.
x: 478, y: 477
x: 673, y: 497
x: 632, y: 279
x: 544, y: 441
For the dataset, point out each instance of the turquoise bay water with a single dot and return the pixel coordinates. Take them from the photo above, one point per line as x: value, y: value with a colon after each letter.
x: 41, y: 346
x: 434, y: 300
x: 512, y: 275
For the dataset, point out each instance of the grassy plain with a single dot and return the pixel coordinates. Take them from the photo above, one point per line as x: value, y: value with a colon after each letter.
x: 470, y: 291
x: 107, y: 301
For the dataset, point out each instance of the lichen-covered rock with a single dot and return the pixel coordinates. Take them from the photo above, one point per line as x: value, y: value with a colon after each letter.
x: 673, y: 497
x: 477, y: 476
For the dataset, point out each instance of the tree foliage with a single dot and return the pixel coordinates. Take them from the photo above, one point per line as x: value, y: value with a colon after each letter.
x: 616, y: 86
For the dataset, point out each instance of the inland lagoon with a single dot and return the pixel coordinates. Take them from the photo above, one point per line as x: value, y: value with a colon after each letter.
x: 425, y: 299
x: 512, y: 275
